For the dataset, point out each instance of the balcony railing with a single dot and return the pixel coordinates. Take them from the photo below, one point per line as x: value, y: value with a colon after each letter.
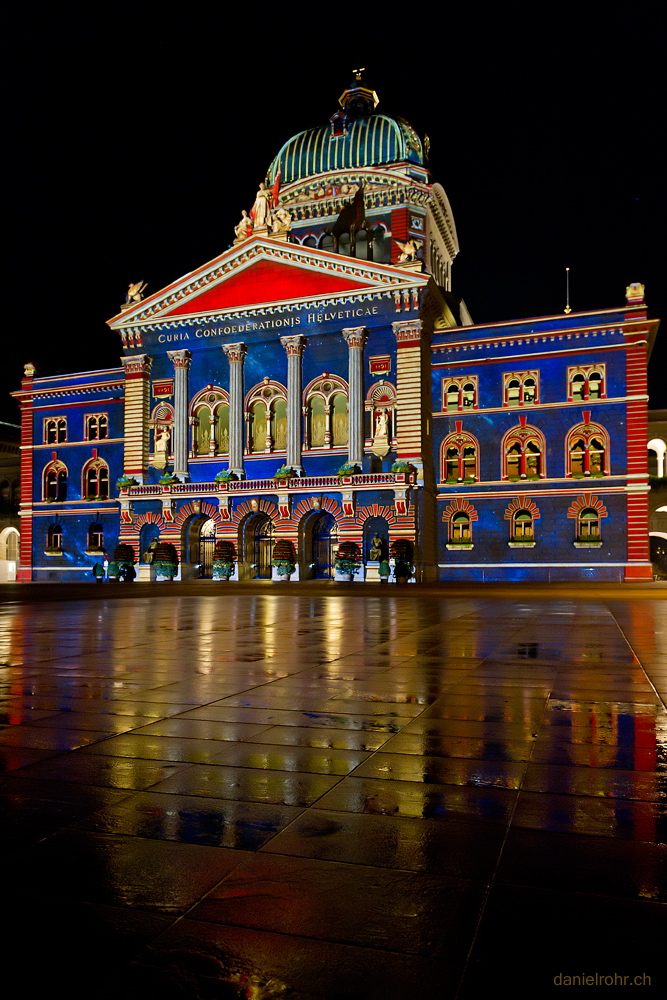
x: 264, y: 485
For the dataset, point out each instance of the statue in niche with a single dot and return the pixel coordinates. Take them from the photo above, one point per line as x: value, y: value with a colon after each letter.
x: 244, y: 229
x: 162, y: 438
x: 282, y: 221
x: 261, y: 210
x: 376, y: 548
x: 260, y: 435
x: 205, y: 441
x: 340, y: 429
x: 381, y: 423
x: 224, y: 441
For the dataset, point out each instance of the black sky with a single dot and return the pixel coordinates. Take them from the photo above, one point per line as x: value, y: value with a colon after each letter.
x: 137, y: 133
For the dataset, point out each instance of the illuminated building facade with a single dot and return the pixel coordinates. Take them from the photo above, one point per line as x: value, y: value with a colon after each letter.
x: 326, y: 345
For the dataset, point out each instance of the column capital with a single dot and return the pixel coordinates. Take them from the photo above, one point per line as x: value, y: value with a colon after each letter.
x: 408, y: 331
x: 181, y: 359
x: 294, y: 345
x: 235, y: 352
x: 137, y: 365
x: 356, y: 336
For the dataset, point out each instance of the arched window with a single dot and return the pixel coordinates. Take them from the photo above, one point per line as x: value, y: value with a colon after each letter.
x: 209, y: 422
x: 96, y: 426
x: 309, y: 241
x: 521, y: 388
x: 262, y: 414
x: 54, y: 538
x: 522, y: 527
x: 327, y: 242
x: 588, y: 526
x: 460, y: 393
x: 95, y: 538
x: 95, y: 484
x: 54, y: 482
x: 587, y: 382
x: 459, y: 457
x: 523, y: 453
x: 55, y: 430
x: 460, y: 529
x: 325, y: 400
x: 587, y: 450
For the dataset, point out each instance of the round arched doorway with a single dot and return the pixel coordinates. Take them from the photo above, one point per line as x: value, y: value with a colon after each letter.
x: 320, y: 541
x: 259, y: 537
x: 199, y: 548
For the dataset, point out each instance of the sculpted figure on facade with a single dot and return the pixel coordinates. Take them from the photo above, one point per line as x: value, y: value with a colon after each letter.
x: 282, y: 221
x: 408, y: 250
x: 135, y: 292
x: 244, y: 228
x: 261, y: 210
x: 381, y: 423
x: 376, y: 548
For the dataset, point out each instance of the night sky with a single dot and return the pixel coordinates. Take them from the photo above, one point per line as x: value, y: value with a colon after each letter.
x: 137, y: 133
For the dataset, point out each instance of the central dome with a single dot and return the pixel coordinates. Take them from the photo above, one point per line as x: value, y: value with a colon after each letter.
x: 354, y: 138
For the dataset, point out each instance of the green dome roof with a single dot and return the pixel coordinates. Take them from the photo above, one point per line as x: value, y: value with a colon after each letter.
x: 369, y: 141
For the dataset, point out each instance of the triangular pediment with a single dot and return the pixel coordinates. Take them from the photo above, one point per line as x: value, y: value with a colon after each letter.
x: 262, y: 273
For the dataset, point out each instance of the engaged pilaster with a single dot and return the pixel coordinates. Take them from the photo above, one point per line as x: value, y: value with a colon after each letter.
x: 137, y: 414
x: 236, y: 354
x: 181, y: 361
x: 356, y: 339
x: 294, y: 349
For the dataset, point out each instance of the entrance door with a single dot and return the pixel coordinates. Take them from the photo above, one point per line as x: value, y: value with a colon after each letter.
x: 206, y: 550
x: 325, y: 543
x: 260, y: 537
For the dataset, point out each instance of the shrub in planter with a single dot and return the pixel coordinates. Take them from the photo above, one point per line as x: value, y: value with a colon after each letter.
x: 224, y: 559
x: 226, y: 476
x: 284, y: 474
x: 168, y: 479
x: 283, y: 557
x: 165, y: 561
x: 125, y: 482
x: 124, y: 555
x: 405, y: 467
x: 349, y: 469
x: 348, y: 558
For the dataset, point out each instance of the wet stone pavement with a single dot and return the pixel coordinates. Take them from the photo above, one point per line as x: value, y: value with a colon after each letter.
x: 316, y: 796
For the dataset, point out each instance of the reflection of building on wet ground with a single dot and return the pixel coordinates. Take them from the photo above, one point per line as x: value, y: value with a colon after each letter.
x: 338, y: 355
x: 332, y: 795
x: 657, y: 467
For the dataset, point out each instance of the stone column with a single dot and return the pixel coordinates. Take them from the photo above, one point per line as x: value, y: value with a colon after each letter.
x: 356, y: 339
x: 181, y: 361
x: 294, y: 348
x: 137, y: 414
x: 236, y: 354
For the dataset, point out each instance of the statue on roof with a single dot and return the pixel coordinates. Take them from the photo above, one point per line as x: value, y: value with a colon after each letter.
x: 408, y: 250
x: 135, y: 293
x: 261, y: 210
x: 244, y: 229
x: 282, y: 221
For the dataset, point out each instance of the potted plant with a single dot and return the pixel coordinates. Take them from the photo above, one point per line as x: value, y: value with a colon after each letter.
x: 125, y: 482
x: 384, y: 570
x: 165, y: 561
x: 401, y: 551
x: 225, y: 476
x: 168, y: 479
x: 283, y: 558
x: 124, y: 557
x: 284, y: 474
x: 348, y: 470
x: 404, y: 471
x: 224, y: 559
x: 348, y: 559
